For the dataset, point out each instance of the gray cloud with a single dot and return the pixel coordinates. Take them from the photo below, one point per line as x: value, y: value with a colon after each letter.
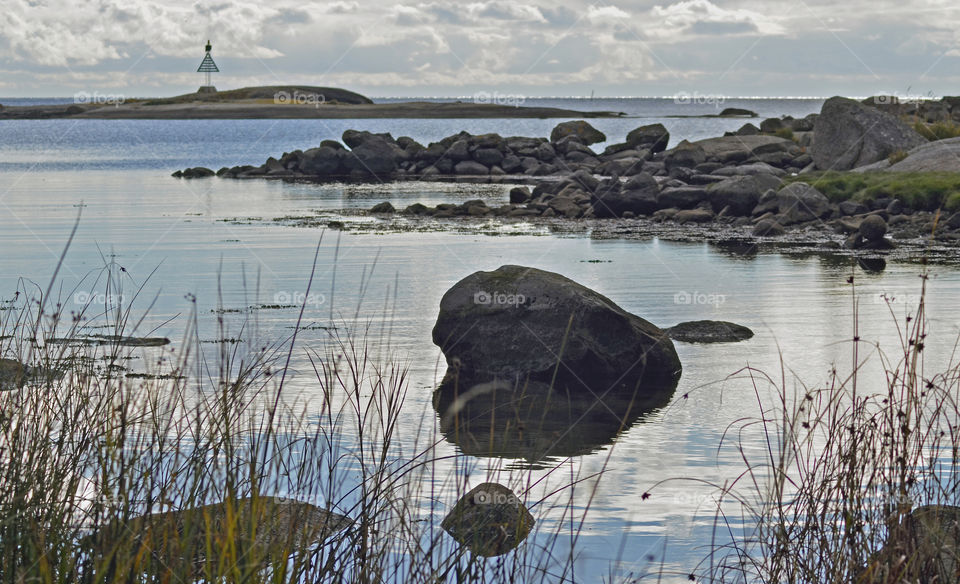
x: 652, y: 47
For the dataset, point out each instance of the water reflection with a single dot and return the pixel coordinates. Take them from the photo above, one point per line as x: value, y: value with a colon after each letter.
x: 536, y: 423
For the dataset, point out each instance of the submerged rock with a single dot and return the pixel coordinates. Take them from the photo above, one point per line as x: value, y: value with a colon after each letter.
x: 490, y: 520
x: 13, y: 374
x: 517, y: 322
x: 709, y: 331
x: 267, y: 529
x: 925, y: 547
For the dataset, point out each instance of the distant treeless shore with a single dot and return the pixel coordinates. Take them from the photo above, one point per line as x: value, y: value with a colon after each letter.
x: 279, y: 102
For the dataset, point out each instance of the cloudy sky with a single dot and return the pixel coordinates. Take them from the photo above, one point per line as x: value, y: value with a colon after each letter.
x: 455, y: 48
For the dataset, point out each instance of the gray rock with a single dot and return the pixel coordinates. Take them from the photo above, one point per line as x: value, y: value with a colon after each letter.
x: 800, y: 202
x: 686, y: 155
x: 733, y: 149
x: 581, y: 129
x: 736, y: 112
x: 515, y: 323
x: 195, y: 172
x: 265, y: 528
x: 638, y: 195
x: 694, y: 216
x: 519, y: 195
x: 320, y: 161
x: 488, y: 156
x: 849, y: 134
x: 741, y: 193
x: 681, y: 197
x: 374, y: 156
x: 469, y: 167
x: 709, y: 331
x: 384, y: 207
x: 768, y: 228
x: 873, y: 228
x: 490, y: 520
x: 852, y: 208
x: 747, y: 129
x: 458, y: 151
x: 771, y: 125
x: 939, y: 156
x: 354, y: 138
x: 652, y: 137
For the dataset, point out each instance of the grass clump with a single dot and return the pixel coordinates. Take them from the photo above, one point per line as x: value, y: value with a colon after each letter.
x: 924, y: 191
x: 938, y: 130
x: 785, y: 133
x: 857, y: 484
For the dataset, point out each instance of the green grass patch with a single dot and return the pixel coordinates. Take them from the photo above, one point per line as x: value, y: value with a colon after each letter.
x: 937, y: 131
x: 926, y: 191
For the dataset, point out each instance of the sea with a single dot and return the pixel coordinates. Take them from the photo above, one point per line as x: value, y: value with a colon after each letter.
x: 210, y: 249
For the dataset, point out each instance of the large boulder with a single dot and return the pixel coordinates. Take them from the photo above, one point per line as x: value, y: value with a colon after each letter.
x: 850, y: 134
x: 320, y: 161
x: 374, y: 156
x: 581, y: 129
x: 516, y: 323
x: 731, y: 149
x: 939, y: 156
x: 800, y: 202
x: 685, y: 155
x: 653, y: 137
x: 490, y: 520
x: 741, y: 193
x: 638, y: 195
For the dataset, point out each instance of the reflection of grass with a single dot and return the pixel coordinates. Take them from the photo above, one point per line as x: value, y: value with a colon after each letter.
x: 926, y: 191
x: 846, y: 472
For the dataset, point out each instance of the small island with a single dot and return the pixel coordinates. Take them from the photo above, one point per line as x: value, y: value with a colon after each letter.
x: 283, y: 102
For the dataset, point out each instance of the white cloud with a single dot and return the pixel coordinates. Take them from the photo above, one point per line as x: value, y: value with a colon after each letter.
x: 697, y: 17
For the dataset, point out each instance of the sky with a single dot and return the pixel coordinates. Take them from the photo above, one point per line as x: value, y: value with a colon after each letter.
x: 141, y: 48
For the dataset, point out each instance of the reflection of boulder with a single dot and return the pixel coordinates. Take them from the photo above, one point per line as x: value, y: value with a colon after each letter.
x: 490, y: 520
x: 533, y: 423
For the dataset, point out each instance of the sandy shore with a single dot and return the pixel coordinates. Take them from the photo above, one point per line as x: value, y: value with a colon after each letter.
x: 260, y: 110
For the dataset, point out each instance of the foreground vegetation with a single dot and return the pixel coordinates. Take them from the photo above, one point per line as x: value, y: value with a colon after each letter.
x: 857, y: 484
x: 88, y: 451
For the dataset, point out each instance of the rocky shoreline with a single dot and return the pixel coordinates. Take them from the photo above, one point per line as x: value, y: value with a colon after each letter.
x: 759, y: 179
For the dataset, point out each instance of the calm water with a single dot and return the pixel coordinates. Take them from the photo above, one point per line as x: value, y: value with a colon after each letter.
x: 195, y: 233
